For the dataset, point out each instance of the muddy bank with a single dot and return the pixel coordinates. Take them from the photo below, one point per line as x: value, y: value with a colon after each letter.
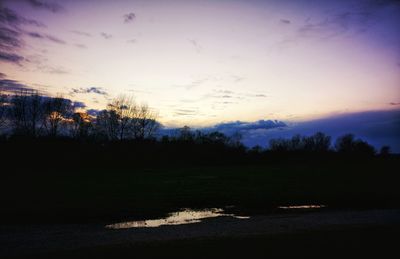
x: 35, y: 239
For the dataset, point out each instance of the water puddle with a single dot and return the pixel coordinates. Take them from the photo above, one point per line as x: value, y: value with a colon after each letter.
x: 186, y: 216
x: 302, y: 207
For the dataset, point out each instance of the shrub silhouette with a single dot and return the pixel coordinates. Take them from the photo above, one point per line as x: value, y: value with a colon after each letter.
x: 318, y: 142
x: 347, y: 144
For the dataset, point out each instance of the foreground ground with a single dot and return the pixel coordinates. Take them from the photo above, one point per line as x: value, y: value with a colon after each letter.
x: 306, y: 234
x: 61, y: 213
x: 57, y: 195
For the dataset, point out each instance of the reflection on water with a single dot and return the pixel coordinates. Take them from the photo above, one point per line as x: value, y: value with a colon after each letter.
x: 311, y: 206
x: 185, y: 216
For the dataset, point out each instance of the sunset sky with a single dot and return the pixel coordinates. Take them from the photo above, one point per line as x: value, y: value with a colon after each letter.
x: 204, y: 62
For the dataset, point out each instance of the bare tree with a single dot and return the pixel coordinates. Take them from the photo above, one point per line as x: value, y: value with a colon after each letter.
x: 26, y: 112
x: 125, y: 109
x: 107, y: 125
x: 80, y: 125
x: 125, y: 119
x: 34, y: 114
x: 145, y: 124
x: 186, y: 134
x: 3, y: 109
x: 57, y: 111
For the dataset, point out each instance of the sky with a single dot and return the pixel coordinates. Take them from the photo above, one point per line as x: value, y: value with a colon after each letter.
x: 200, y: 63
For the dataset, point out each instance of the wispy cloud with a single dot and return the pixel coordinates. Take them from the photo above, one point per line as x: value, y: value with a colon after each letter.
x: 10, y: 39
x: 51, y: 38
x: 394, y: 103
x: 11, y: 32
x: 186, y: 112
x: 81, y: 46
x: 49, y: 6
x: 11, y: 18
x: 55, y: 39
x: 218, y: 93
x: 195, y: 83
x: 52, y: 70
x: 196, y: 45
x: 106, y: 35
x: 285, y: 21
x: 11, y: 57
x: 13, y: 86
x: 81, y: 33
x: 130, y: 17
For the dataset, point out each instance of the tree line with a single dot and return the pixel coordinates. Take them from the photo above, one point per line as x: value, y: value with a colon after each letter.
x: 29, y: 114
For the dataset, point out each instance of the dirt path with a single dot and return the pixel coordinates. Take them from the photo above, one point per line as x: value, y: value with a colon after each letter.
x: 35, y: 239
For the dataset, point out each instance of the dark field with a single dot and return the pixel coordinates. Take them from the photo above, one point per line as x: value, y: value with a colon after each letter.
x: 96, y: 195
x: 43, y: 193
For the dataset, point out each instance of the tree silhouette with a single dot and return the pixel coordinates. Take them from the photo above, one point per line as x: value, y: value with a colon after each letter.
x: 81, y: 125
x: 57, y: 112
x: 3, y: 109
x: 26, y: 113
x: 145, y: 123
x: 347, y: 144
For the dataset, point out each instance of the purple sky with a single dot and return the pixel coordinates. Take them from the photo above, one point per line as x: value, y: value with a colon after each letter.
x: 205, y: 62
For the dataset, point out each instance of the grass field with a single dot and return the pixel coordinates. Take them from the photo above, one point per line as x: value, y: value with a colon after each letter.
x: 106, y: 194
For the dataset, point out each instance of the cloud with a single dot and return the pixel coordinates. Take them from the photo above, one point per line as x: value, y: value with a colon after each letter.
x: 95, y: 90
x: 186, y: 112
x: 106, y: 35
x: 236, y: 95
x: 81, y: 46
x: 359, y: 17
x: 132, y: 41
x: 196, y: 45
x: 10, y: 39
x: 81, y: 33
x: 130, y: 17
x: 336, y: 24
x: 237, y: 79
x: 53, y: 70
x: 11, y: 57
x: 79, y: 105
x: 394, y: 103
x: 246, y: 129
x: 2, y: 75
x: 55, y: 39
x: 285, y: 21
x: 11, y: 18
x: 230, y: 128
x: 52, y: 7
x: 13, y: 86
x: 51, y: 38
x: 377, y: 127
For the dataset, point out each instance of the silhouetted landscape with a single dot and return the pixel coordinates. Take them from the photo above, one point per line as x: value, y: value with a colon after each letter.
x: 68, y: 167
x: 199, y: 129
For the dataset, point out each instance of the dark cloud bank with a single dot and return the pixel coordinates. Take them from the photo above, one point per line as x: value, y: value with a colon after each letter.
x: 377, y: 127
